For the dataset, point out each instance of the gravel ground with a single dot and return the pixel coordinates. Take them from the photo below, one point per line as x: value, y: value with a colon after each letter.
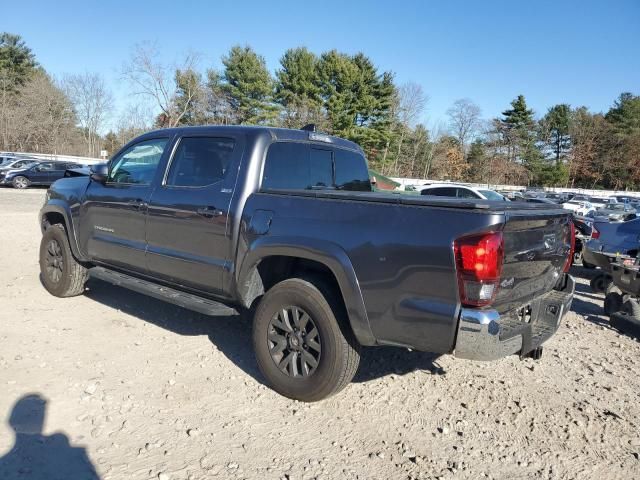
x: 115, y: 385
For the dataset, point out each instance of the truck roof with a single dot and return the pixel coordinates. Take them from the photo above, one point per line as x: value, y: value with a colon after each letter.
x: 275, y: 133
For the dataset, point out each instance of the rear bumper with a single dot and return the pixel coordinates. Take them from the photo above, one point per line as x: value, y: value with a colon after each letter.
x: 487, y: 335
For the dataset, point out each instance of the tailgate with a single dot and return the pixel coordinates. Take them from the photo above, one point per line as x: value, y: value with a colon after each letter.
x: 536, y: 246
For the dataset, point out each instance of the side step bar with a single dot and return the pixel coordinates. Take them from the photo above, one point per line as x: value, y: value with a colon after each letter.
x: 167, y: 294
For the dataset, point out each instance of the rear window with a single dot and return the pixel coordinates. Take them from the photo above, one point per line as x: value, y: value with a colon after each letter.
x: 440, y: 192
x: 301, y: 166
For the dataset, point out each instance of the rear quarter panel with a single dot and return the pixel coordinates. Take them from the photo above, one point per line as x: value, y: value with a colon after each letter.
x: 402, y: 256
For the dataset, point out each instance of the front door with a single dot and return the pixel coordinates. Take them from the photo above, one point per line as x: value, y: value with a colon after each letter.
x: 188, y: 242
x: 113, y: 213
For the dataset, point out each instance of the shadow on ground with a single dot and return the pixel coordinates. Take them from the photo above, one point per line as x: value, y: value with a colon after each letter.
x: 231, y: 334
x: 37, y: 456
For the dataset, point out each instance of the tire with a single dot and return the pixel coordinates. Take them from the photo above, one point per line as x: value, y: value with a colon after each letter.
x: 612, y: 303
x: 625, y: 323
x: 280, y: 340
x: 600, y: 283
x: 632, y: 308
x: 61, y: 274
x: 20, y: 182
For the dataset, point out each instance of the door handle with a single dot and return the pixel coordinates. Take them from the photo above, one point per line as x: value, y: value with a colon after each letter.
x: 209, y: 212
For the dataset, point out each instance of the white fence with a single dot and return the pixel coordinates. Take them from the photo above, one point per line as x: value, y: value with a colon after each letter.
x: 584, y: 191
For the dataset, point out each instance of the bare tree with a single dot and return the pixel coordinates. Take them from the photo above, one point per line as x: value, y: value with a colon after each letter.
x: 157, y: 81
x: 411, y: 102
x: 464, y: 121
x: 40, y: 118
x: 92, y: 102
x: 134, y: 120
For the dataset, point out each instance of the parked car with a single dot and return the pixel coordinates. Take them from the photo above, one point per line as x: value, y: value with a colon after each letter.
x: 43, y: 173
x: 455, y: 190
x: 219, y: 219
x: 540, y: 200
x: 613, y: 238
x: 602, y: 202
x: 18, y: 164
x: 513, y: 195
x: 580, y: 197
x: 579, y: 207
x: 556, y: 197
x: 6, y: 158
x: 616, y: 212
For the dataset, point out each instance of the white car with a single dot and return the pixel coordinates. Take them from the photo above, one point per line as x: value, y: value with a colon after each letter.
x: 602, y: 202
x: 579, y: 207
x: 457, y: 190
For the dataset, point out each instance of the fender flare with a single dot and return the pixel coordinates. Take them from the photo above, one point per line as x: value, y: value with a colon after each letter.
x: 328, y: 254
x: 62, y: 208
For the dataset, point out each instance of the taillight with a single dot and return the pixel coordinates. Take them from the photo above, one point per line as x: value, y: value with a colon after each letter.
x: 479, y: 264
x: 572, y: 246
x: 595, y: 233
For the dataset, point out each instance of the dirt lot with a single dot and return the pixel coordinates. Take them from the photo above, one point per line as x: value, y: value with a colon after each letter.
x: 133, y: 388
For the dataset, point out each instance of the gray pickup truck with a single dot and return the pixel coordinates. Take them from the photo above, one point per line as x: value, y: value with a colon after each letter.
x: 284, y: 225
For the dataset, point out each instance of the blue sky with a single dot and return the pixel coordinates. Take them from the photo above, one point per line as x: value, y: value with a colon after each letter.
x: 578, y: 52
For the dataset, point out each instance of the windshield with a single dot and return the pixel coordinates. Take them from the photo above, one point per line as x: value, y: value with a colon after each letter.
x: 491, y: 195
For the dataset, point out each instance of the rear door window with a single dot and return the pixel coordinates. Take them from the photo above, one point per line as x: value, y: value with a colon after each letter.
x: 440, y: 192
x: 200, y: 161
x: 286, y: 167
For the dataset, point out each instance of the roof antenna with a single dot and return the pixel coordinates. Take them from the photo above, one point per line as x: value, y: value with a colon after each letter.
x: 310, y: 127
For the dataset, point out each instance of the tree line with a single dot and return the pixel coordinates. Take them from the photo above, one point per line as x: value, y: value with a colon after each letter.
x: 344, y: 95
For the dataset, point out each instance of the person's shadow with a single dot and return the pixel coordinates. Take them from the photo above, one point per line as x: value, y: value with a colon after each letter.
x: 37, y: 456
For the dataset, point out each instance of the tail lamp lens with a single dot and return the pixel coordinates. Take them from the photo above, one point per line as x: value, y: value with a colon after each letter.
x: 479, y: 265
x: 595, y: 233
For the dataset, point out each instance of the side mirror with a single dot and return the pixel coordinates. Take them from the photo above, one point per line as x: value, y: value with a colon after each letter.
x: 99, y: 172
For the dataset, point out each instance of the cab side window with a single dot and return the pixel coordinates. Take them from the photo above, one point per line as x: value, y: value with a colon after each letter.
x: 301, y: 166
x: 200, y: 161
x: 138, y: 164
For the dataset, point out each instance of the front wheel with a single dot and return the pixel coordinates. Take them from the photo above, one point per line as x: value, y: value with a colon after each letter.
x: 302, y: 341
x: 20, y: 182
x: 61, y: 274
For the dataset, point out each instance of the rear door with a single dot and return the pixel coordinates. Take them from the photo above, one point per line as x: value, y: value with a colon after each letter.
x: 113, y: 214
x: 188, y: 219
x: 56, y: 172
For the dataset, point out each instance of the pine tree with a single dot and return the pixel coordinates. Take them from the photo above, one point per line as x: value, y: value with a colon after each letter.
x: 17, y: 62
x: 298, y: 89
x: 555, y: 126
x: 249, y: 86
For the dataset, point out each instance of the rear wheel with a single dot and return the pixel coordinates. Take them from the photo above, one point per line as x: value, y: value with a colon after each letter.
x: 600, y: 283
x: 61, y: 274
x: 302, y: 340
x: 20, y: 182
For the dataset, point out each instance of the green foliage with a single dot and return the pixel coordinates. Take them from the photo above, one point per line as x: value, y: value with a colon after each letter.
x: 556, y: 124
x: 357, y: 99
x: 625, y: 114
x: 249, y: 86
x: 297, y: 79
x: 17, y: 62
x: 518, y: 117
